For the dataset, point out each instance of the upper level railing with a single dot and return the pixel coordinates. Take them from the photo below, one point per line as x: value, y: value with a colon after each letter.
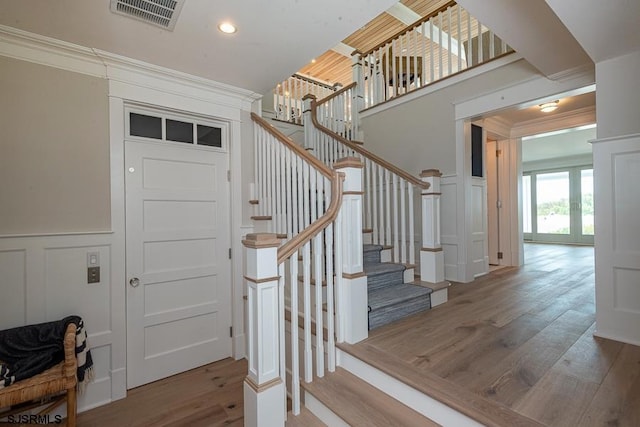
x: 441, y: 44
x: 287, y: 96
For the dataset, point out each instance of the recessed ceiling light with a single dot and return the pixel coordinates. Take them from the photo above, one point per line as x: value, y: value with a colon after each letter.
x: 548, y: 107
x: 227, y: 28
x: 313, y: 61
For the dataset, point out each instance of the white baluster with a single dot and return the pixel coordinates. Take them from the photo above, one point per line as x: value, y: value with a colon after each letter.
x: 412, y: 245
x: 387, y: 217
x: 449, y: 21
x: 396, y: 243
x: 403, y: 224
x: 295, y: 352
x: 306, y: 287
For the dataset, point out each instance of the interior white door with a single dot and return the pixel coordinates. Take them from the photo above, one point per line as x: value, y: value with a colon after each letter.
x: 493, y: 219
x: 179, y: 290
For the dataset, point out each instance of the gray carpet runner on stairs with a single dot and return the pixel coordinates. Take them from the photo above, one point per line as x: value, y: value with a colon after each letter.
x: 389, y: 298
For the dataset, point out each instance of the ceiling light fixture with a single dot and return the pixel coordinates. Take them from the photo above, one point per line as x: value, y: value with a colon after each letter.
x: 548, y: 107
x: 227, y: 28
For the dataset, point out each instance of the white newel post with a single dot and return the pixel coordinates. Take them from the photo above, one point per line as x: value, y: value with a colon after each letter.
x: 264, y: 391
x: 352, y: 309
x: 431, y: 255
x: 357, y: 101
x: 307, y: 102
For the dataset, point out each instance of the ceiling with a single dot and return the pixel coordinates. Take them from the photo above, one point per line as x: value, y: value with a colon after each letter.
x: 518, y: 116
x: 566, y: 143
x: 274, y: 37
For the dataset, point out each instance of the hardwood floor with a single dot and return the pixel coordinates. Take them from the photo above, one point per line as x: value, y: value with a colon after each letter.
x: 523, y: 337
x: 207, y: 396
x: 518, y: 336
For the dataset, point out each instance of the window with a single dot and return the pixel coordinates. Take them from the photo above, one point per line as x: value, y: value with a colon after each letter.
x: 176, y: 128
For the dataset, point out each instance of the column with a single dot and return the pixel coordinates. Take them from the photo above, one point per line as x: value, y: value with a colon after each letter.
x: 352, y: 307
x: 264, y: 391
x: 431, y: 255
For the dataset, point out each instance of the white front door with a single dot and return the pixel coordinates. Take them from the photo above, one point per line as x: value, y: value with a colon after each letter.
x: 178, y: 269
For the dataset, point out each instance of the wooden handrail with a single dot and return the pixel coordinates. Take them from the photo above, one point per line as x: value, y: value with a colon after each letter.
x: 324, y: 169
x: 286, y: 250
x: 310, y: 80
x: 338, y: 93
x: 355, y: 147
x: 409, y: 28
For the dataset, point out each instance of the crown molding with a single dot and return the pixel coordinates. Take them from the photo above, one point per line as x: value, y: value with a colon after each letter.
x: 36, y: 48
x: 498, y: 125
x: 569, y: 119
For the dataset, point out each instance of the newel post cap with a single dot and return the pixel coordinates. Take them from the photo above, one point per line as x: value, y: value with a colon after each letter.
x: 430, y: 172
x: 348, y: 162
x: 261, y: 240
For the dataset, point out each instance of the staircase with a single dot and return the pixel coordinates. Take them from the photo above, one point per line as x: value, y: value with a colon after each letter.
x: 389, y: 297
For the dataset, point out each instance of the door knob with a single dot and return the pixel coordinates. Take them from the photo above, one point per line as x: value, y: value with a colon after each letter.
x: 134, y: 282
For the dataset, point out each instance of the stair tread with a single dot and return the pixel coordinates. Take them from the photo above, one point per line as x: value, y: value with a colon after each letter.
x: 304, y: 419
x: 359, y: 403
x: 382, y: 268
x: 371, y: 248
x: 475, y: 406
x: 395, y: 294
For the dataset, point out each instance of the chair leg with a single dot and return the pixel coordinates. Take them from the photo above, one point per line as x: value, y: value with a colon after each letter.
x: 72, y: 407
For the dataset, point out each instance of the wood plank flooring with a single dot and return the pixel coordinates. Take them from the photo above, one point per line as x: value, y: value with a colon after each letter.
x: 207, y: 396
x: 523, y: 337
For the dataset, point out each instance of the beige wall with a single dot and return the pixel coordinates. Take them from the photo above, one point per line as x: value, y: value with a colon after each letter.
x: 420, y: 134
x: 54, y: 150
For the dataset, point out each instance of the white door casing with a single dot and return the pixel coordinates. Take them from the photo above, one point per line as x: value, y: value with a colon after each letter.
x: 178, y: 235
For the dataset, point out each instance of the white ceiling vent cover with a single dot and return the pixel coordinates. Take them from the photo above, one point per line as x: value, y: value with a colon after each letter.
x: 162, y: 13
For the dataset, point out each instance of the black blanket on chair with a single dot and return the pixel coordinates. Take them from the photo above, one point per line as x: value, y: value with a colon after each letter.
x: 28, y: 350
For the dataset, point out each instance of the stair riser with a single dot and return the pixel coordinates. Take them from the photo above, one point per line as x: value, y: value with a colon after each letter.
x: 384, y: 280
x: 371, y: 257
x: 398, y: 311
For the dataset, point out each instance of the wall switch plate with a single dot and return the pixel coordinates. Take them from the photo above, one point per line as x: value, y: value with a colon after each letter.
x: 93, y: 259
x: 93, y: 274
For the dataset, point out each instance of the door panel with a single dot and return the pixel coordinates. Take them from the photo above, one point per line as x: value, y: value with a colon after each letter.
x: 178, y: 316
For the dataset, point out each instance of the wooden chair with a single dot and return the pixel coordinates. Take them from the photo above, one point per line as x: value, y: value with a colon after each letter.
x: 59, y: 381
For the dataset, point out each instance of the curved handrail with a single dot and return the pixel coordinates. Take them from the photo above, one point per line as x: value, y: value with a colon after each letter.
x: 355, y: 147
x: 324, y: 169
x: 286, y: 250
x: 337, y: 178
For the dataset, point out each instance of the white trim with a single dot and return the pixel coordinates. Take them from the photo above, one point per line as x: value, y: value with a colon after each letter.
x: 615, y: 337
x: 441, y: 84
x: 414, y: 399
x: 530, y: 90
x: 62, y: 233
x: 322, y: 412
x: 615, y: 138
x: 570, y: 119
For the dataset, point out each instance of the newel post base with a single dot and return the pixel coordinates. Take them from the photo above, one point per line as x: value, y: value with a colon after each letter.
x: 431, y: 255
x: 352, y: 309
x: 264, y: 391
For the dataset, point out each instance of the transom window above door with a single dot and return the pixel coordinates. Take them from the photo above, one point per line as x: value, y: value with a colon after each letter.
x: 175, y: 128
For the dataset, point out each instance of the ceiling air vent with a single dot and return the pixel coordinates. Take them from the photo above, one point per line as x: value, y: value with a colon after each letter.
x: 162, y: 13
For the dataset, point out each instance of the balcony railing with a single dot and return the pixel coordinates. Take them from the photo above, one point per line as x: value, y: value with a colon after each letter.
x: 439, y: 45
x: 287, y: 96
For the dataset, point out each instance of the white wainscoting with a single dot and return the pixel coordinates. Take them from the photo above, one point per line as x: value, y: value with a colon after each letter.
x: 44, y: 278
x: 449, y: 226
x: 617, y: 238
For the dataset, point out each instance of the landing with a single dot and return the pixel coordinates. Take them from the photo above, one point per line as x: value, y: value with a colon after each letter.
x: 523, y: 338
